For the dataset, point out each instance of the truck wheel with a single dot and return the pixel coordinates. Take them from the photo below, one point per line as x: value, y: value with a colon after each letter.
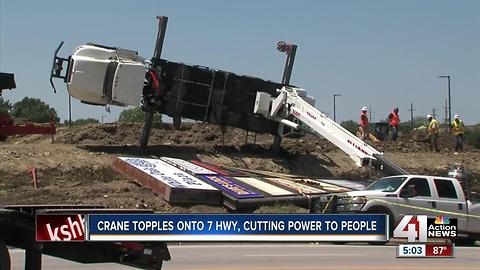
x: 390, y: 222
x: 4, y: 256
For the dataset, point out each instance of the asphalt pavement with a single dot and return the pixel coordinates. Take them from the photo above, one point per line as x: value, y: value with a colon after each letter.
x: 283, y: 256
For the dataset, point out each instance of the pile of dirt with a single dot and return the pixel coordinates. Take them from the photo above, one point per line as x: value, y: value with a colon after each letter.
x: 128, y: 134
x: 204, y: 136
x: 207, y: 136
x: 417, y: 141
x: 53, y: 164
x: 106, y: 134
x: 76, y: 168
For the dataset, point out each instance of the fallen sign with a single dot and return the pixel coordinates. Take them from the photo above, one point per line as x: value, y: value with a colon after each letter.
x: 195, y: 182
x: 248, y: 189
x: 245, y: 190
x: 188, y: 167
x: 230, y: 187
x: 167, y: 181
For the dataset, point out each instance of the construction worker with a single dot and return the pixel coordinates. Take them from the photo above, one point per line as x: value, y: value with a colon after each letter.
x: 393, y: 120
x: 457, y: 131
x: 432, y: 132
x: 364, y: 123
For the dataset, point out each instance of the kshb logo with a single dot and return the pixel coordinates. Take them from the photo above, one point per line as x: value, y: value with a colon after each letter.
x: 420, y: 227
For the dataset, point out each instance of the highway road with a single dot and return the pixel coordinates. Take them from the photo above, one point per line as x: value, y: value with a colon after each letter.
x: 283, y: 256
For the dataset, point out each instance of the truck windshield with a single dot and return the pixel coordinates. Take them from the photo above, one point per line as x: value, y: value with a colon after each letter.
x: 390, y: 184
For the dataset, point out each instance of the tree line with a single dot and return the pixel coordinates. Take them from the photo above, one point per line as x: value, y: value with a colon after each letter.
x: 37, y: 111
x: 29, y: 109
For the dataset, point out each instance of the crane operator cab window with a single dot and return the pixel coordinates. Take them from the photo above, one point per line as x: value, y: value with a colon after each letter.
x: 418, y: 187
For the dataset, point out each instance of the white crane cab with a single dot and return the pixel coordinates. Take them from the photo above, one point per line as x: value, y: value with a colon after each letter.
x: 101, y: 75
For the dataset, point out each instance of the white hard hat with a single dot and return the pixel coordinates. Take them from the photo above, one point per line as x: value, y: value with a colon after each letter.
x: 364, y: 109
x: 456, y: 116
x: 429, y: 116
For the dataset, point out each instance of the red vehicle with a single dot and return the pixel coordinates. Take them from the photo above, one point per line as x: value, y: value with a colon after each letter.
x: 8, y: 128
x: 7, y: 125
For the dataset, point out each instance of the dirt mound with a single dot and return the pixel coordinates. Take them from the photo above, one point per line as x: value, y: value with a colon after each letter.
x: 208, y: 136
x: 53, y: 164
x: 105, y: 134
x: 203, y: 136
x: 418, y: 141
x: 76, y: 169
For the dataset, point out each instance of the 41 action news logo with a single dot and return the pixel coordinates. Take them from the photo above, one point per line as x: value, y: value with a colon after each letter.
x: 421, y: 227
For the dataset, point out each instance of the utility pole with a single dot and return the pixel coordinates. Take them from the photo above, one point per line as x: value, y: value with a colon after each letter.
x: 434, y: 113
x: 449, y: 99
x: 69, y: 109
x: 411, y: 115
x: 370, y: 113
x: 445, y: 120
x: 334, y: 107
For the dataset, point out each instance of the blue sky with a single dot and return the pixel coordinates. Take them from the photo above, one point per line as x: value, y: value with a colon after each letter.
x: 378, y: 54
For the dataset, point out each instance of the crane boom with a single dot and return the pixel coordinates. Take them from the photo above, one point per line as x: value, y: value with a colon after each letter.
x: 295, y: 109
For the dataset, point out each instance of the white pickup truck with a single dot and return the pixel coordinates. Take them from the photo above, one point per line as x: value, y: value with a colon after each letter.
x: 413, y: 195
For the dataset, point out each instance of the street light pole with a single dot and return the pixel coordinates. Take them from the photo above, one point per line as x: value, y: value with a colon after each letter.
x: 449, y: 99
x: 334, y: 107
x: 69, y: 109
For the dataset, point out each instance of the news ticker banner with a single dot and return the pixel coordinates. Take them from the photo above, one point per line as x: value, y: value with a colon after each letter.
x: 212, y: 227
x: 428, y: 250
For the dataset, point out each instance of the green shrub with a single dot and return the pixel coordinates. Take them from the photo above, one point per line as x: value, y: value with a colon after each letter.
x: 136, y: 115
x: 5, y: 107
x: 472, y: 136
x: 34, y: 110
x: 350, y: 125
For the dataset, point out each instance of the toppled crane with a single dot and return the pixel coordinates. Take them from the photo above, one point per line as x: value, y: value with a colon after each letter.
x: 102, y: 75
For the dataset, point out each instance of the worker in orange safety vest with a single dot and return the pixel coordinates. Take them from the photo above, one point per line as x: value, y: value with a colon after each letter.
x: 458, y: 130
x: 393, y: 120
